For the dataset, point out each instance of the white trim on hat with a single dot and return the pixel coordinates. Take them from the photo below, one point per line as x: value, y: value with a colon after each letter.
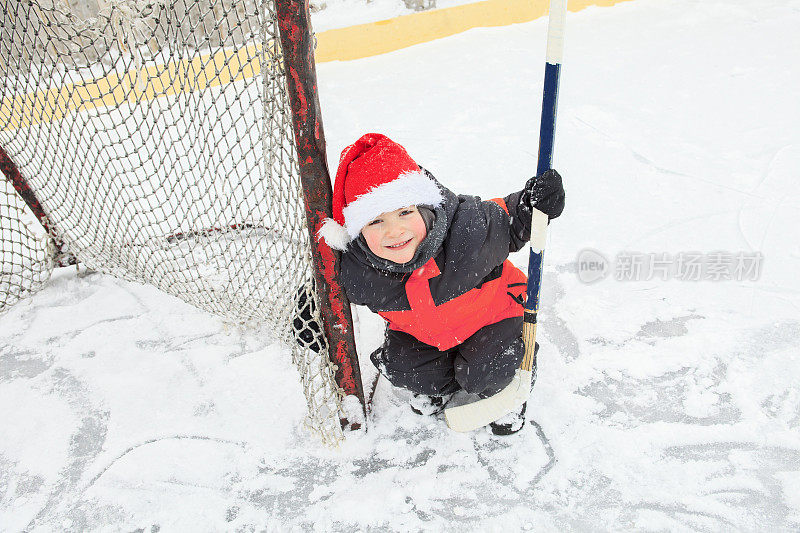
x: 411, y: 188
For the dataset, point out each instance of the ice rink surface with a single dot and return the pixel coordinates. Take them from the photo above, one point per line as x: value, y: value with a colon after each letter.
x: 668, y: 395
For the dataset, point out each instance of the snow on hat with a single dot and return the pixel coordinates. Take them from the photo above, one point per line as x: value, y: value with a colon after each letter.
x: 376, y: 175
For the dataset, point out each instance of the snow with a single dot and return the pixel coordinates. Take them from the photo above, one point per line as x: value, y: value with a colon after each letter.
x: 660, y: 404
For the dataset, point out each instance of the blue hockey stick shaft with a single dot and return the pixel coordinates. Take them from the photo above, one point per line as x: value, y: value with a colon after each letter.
x: 476, y: 414
x: 547, y: 130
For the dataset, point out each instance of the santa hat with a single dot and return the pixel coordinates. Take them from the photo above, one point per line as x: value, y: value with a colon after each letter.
x: 375, y: 176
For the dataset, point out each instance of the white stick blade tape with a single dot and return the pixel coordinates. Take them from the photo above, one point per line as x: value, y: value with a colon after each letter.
x: 478, y: 414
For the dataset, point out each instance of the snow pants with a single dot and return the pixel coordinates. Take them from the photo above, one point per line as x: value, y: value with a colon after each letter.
x: 483, y: 364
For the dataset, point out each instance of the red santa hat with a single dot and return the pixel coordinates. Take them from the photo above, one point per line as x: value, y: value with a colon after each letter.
x: 376, y: 175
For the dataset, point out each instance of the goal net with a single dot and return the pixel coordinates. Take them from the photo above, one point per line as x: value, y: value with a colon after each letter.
x: 156, y: 137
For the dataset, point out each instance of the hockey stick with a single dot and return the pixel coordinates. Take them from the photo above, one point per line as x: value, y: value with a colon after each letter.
x: 477, y: 414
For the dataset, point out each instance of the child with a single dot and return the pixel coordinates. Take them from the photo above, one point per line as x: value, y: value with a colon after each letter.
x: 434, y: 266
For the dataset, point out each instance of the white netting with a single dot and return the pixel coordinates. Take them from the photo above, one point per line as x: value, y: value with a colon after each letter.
x: 157, y: 136
x: 25, y: 248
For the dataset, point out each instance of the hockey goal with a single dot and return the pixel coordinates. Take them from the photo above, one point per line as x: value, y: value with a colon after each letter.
x: 161, y: 141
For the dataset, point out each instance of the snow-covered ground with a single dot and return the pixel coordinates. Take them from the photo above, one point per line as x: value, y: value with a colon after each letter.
x: 662, y: 403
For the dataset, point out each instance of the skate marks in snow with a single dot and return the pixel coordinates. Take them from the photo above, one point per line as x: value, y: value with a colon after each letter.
x: 490, y: 450
x: 408, y: 478
x: 746, y: 486
x: 53, y: 427
x: 682, y: 422
x: 767, y: 221
x: 614, y: 133
x: 22, y: 363
x: 556, y: 330
x: 652, y: 331
x: 712, y: 442
x: 170, y: 480
x: 686, y: 396
x: 91, y: 378
x: 768, y: 352
x: 674, y: 327
x: 175, y: 480
x: 441, y: 477
x: 33, y: 500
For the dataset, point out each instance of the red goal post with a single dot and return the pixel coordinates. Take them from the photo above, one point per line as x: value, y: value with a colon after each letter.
x: 298, y: 54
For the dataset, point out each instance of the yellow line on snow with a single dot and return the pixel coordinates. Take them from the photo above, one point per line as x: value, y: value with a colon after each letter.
x: 135, y: 85
x: 229, y: 65
x: 375, y: 38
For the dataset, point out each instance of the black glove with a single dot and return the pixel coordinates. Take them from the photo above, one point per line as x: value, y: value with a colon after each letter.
x: 545, y: 193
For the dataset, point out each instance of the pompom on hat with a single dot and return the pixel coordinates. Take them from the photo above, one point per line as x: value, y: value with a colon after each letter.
x: 375, y: 175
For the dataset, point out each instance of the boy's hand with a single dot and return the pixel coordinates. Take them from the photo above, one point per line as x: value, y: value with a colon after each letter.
x: 545, y: 193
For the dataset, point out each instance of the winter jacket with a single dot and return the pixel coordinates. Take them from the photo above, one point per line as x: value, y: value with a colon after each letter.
x: 459, y: 280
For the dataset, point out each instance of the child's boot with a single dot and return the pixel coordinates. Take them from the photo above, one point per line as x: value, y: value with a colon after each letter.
x: 511, y: 423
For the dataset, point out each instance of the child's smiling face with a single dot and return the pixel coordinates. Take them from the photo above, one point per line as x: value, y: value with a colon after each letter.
x: 396, y: 235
